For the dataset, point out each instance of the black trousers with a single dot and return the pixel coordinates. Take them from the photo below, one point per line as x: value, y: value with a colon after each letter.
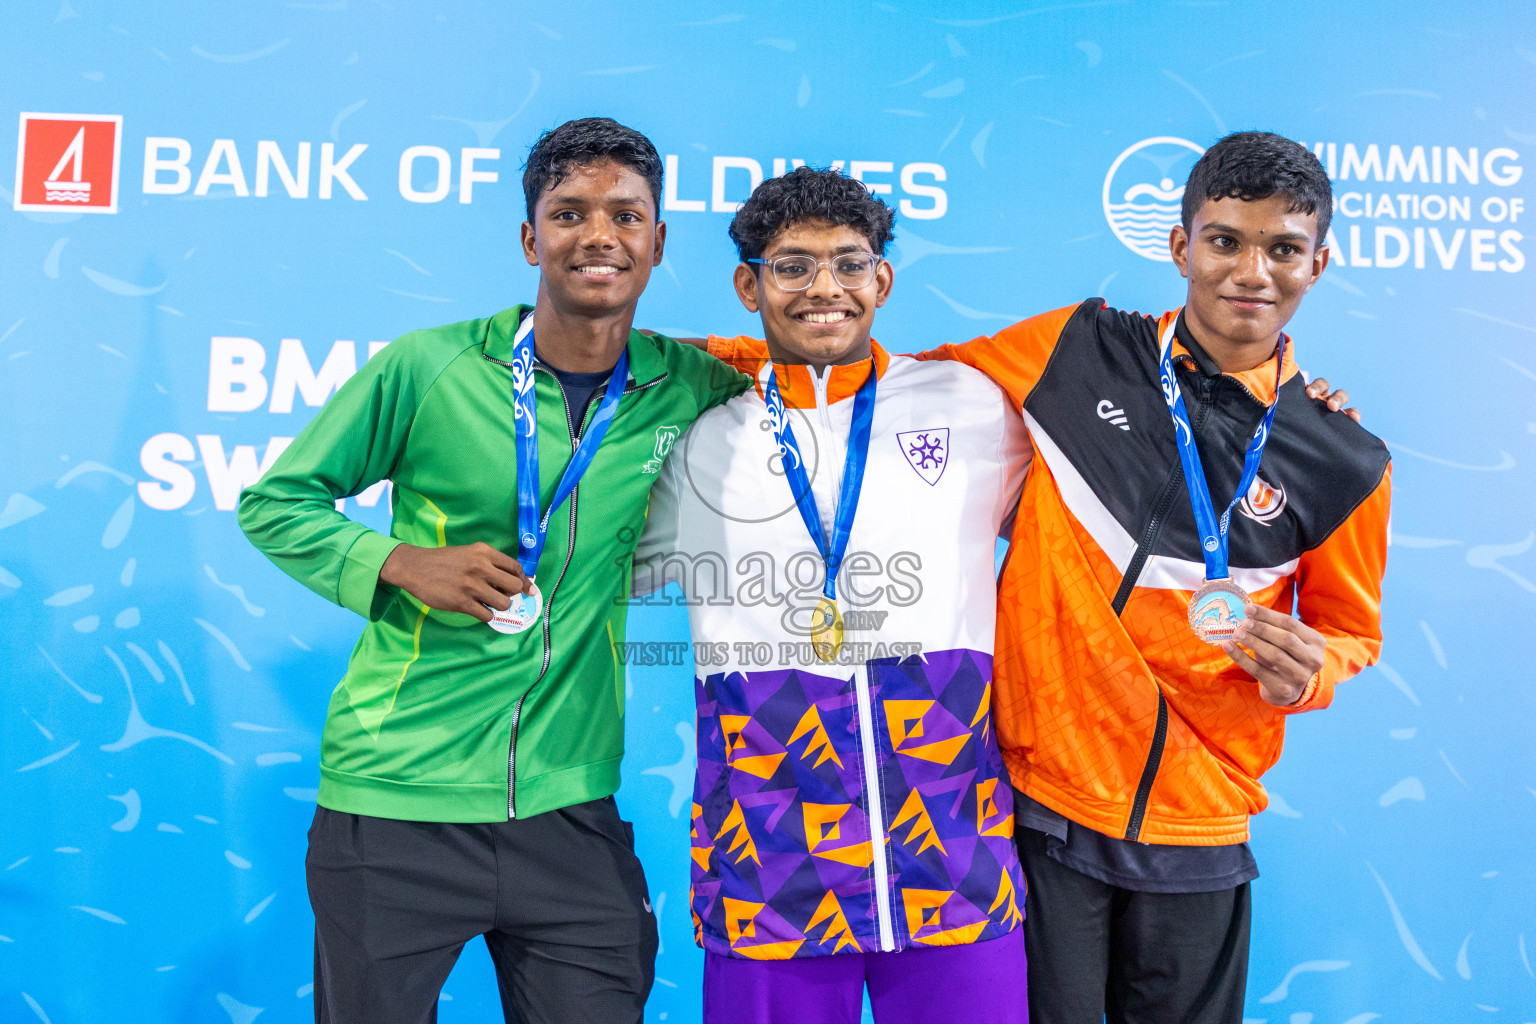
x: 560, y: 899
x: 1101, y: 953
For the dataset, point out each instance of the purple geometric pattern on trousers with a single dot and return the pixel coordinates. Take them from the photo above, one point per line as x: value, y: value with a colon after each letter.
x: 781, y: 819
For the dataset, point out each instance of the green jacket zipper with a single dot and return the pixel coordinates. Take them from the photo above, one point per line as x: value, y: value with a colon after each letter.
x: 549, y: 598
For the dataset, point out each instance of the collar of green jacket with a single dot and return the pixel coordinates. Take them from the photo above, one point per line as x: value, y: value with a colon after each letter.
x: 646, y: 364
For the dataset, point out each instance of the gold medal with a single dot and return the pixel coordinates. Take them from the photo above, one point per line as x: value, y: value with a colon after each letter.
x: 1216, y: 610
x: 826, y: 630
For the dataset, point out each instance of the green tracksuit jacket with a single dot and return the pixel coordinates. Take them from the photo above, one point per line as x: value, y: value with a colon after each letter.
x: 439, y: 717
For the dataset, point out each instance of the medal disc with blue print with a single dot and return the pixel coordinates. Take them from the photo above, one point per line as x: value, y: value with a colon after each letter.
x: 1216, y: 610
x: 523, y: 612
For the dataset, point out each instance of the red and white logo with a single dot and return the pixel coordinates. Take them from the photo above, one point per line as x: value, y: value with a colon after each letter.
x: 68, y: 162
x: 1263, y: 503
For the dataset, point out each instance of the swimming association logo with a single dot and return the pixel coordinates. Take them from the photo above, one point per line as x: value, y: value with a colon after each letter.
x: 68, y: 162
x: 1264, y: 501
x: 1144, y: 190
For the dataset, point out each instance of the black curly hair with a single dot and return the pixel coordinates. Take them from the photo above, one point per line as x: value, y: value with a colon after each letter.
x: 809, y: 194
x: 1257, y: 165
x: 583, y: 142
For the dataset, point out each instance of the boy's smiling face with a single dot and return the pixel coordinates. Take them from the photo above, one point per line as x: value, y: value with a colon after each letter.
x: 1249, y: 263
x: 827, y: 322
x: 594, y: 237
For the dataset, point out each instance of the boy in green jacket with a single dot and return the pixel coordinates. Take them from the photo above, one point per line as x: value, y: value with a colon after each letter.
x: 471, y: 751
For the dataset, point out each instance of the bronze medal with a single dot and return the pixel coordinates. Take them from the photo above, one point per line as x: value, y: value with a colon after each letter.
x: 1216, y: 610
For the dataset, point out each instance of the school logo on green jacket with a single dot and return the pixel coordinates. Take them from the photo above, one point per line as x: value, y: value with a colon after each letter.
x: 666, y: 437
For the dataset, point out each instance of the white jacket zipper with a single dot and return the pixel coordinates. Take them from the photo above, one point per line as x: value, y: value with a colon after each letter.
x: 876, y: 802
x: 874, y: 795
x: 835, y: 452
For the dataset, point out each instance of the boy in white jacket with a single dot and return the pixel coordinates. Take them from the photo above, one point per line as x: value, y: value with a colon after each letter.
x: 833, y: 530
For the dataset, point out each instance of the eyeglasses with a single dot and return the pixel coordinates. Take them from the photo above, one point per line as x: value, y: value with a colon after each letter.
x: 797, y: 273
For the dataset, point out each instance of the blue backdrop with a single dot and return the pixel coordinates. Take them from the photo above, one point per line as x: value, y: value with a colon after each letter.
x: 165, y: 685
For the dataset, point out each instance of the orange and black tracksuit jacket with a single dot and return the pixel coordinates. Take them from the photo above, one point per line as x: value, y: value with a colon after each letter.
x: 1107, y: 707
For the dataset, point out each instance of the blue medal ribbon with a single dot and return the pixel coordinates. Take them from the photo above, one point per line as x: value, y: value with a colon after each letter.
x: 853, y: 472
x: 1213, y: 531
x: 531, y: 525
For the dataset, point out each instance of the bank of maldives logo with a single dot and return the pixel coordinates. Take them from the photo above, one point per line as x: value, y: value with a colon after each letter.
x: 1144, y: 192
x: 68, y: 162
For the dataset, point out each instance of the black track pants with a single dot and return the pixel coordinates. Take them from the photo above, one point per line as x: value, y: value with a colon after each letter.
x: 560, y: 898
x: 1101, y: 953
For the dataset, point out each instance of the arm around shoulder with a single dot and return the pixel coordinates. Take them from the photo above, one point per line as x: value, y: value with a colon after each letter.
x: 714, y: 378
x: 1015, y: 357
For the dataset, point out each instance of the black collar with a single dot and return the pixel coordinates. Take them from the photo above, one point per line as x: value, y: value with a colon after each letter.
x: 1203, y: 361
